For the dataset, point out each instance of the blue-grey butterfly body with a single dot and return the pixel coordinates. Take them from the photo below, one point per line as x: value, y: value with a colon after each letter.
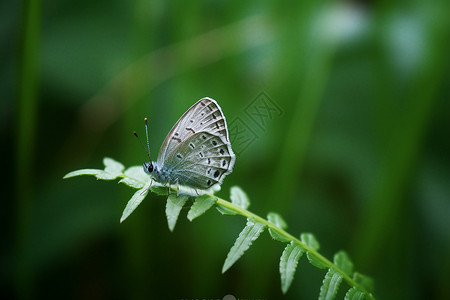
x: 197, y: 152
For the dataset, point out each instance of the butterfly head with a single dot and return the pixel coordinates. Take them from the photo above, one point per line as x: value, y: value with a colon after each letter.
x: 148, y: 167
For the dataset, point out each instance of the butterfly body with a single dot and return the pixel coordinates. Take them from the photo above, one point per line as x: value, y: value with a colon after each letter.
x: 197, y: 152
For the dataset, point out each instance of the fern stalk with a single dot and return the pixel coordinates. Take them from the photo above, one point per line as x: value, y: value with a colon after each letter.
x: 244, y: 212
x: 340, y: 268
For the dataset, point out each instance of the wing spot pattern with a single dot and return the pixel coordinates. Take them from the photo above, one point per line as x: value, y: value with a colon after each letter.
x: 191, y: 145
x: 216, y: 174
x: 221, y: 151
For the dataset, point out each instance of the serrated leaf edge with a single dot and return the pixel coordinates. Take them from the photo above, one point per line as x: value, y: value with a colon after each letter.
x: 174, y: 205
x: 201, y: 205
x: 288, y: 264
x: 354, y: 294
x: 330, y: 285
x: 248, y: 235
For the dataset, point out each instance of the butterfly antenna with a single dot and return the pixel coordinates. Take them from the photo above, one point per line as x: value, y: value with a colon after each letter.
x: 146, y: 133
x: 143, y: 147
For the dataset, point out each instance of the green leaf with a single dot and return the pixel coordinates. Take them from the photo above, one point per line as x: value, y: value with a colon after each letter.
x: 134, y: 202
x: 288, y: 264
x: 330, y: 285
x: 131, y: 183
x: 135, y: 177
x: 310, y: 240
x: 225, y: 211
x: 137, y: 173
x: 250, y: 233
x: 173, y: 208
x: 113, y: 167
x: 344, y: 263
x: 159, y: 190
x: 365, y: 281
x: 316, y: 261
x: 239, y: 197
x: 278, y: 221
x: 93, y: 172
x: 200, y: 206
x: 354, y: 294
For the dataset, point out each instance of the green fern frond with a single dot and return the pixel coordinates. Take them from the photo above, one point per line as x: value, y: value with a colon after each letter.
x: 246, y: 238
x: 341, y: 269
x: 288, y: 264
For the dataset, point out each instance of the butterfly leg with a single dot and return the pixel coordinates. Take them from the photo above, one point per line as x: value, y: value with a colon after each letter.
x: 169, y: 188
x: 178, y: 188
x: 197, y: 192
x: 144, y: 191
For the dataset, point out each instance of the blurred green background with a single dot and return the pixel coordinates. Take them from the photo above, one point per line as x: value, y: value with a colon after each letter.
x: 359, y: 156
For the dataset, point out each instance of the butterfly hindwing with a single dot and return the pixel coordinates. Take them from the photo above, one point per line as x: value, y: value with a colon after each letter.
x: 204, y: 116
x: 201, y: 161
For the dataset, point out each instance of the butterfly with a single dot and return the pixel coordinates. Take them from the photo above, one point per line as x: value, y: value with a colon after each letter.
x: 197, y: 151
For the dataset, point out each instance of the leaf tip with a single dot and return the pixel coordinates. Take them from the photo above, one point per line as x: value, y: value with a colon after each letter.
x: 123, y: 217
x: 225, y: 268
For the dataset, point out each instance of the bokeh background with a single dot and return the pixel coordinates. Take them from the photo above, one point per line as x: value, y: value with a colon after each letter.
x: 359, y: 155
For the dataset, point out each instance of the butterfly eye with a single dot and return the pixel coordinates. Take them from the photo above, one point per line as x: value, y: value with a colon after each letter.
x: 148, y: 167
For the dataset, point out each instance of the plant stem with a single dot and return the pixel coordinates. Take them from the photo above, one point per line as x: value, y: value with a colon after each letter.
x: 243, y: 212
x: 26, y: 115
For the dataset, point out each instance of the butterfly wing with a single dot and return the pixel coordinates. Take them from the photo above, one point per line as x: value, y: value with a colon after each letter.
x: 204, y: 116
x: 201, y: 161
